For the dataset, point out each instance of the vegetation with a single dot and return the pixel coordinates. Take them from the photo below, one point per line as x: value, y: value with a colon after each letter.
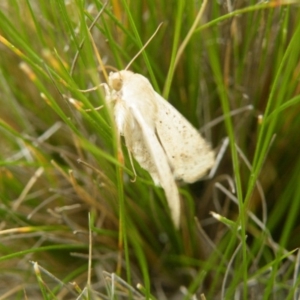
x: 72, y: 223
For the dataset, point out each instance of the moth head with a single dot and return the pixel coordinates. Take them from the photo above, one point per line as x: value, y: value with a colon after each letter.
x: 115, y: 81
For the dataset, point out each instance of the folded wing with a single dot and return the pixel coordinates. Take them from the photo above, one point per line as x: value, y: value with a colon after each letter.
x: 189, y: 155
x: 158, y: 162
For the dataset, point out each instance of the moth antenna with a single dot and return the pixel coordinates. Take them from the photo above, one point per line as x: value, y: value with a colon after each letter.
x: 109, y: 68
x: 133, y: 169
x: 99, y: 59
x: 143, y: 48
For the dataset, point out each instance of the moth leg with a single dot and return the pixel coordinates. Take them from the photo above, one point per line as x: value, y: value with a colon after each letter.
x: 132, y: 165
x: 93, y: 88
x: 78, y: 104
x: 106, y: 89
x: 95, y: 108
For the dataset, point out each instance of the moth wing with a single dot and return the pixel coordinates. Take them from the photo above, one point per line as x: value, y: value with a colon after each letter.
x: 189, y: 155
x: 158, y: 162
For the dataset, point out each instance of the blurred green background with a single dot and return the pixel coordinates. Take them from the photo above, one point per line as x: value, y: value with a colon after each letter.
x: 237, y: 77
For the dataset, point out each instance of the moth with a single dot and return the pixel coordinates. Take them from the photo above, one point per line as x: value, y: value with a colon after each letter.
x: 160, y: 139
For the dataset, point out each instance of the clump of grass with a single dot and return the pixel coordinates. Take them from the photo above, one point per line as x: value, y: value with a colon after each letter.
x: 61, y: 164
